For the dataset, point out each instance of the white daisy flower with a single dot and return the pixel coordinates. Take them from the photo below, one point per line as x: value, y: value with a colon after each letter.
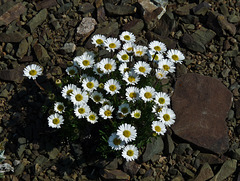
x: 162, y: 99
x: 130, y: 153
x: 131, y: 78
x: 97, y: 69
x: 156, y: 109
x: 84, y: 61
x: 106, y: 102
x: 127, y: 36
x: 147, y: 93
x: 158, y: 127
x: 59, y: 107
x: 115, y: 143
x: 167, y: 116
x: 97, y: 97
x: 128, y: 47
x: 123, y: 68
x: 140, y: 50
x: 98, y: 40
x: 142, y: 68
x: 123, y: 56
x: 112, y: 44
x: 120, y: 116
x: 79, y: 97
x: 81, y: 110
x: 112, y: 86
x: 92, y: 117
x: 82, y: 77
x: 157, y: 46
x: 89, y: 53
x: 107, y: 65
x: 124, y: 109
x: 175, y: 56
x: 106, y: 112
x: 161, y: 74
x: 166, y: 65
x: 136, y: 114
x: 67, y: 90
x: 155, y: 56
x: 32, y: 71
x: 132, y: 94
x: 127, y: 132
x: 72, y: 71
x: 90, y: 84
x: 55, y: 120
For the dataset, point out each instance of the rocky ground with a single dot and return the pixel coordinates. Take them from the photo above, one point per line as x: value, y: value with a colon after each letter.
x: 53, y: 32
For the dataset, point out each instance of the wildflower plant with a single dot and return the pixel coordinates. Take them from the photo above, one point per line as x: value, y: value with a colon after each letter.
x: 120, y: 96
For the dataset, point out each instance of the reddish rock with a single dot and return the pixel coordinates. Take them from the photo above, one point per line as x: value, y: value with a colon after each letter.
x: 85, y: 28
x: 201, y: 105
x: 46, y: 4
x: 131, y: 168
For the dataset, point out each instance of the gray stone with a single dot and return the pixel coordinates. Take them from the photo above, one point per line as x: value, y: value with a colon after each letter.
x: 53, y: 153
x: 114, y: 175
x: 8, y: 47
x: 85, y: 28
x: 181, y: 69
x: 15, y: 75
x: 69, y: 47
x: 234, y: 19
x: 201, y: 9
x: 205, y: 173
x: 185, y: 10
x: 236, y: 154
x: 64, y: 8
x: 225, y: 72
x: 46, y: 4
x: 40, y: 160
x: 170, y: 145
x: 120, y: 10
x: 182, y: 148
x: 86, y: 8
x: 22, y: 49
x: 186, y: 171
x: 231, y: 28
x: 131, y: 168
x: 113, y: 165
x: 227, y: 169
x: 37, y: 20
x: 231, y: 53
x: 19, y: 169
x: 202, y: 118
x: 14, y: 37
x: 4, y: 93
x: 135, y: 26
x: 209, y: 158
x: 22, y: 146
x: 41, y: 54
x: 224, y: 10
x: 154, y: 147
x: 192, y: 44
x: 237, y: 105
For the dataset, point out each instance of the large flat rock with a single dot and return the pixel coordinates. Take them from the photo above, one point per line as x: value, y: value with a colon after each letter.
x: 201, y: 105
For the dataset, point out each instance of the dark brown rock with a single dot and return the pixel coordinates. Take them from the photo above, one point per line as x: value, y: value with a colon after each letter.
x: 12, y: 14
x: 212, y: 23
x: 12, y: 37
x: 201, y: 105
x: 231, y: 28
x: 135, y: 26
x: 15, y: 75
x: 100, y: 11
x: 46, y: 4
x: 237, y: 105
x: 120, y: 10
x: 201, y: 9
x: 131, y: 168
x: 114, y: 175
x: 209, y: 158
x: 185, y: 10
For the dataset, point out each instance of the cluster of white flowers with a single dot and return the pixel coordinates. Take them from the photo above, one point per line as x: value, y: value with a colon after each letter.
x: 98, y: 85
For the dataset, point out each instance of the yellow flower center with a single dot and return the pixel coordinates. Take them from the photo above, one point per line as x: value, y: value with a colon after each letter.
x: 137, y: 115
x: 99, y: 41
x: 124, y: 57
x: 175, y: 57
x: 92, y: 117
x: 166, y: 117
x: 127, y: 37
x: 157, y: 128
x: 116, y: 141
x: 97, y: 98
x: 33, y: 72
x: 131, y: 79
x: 126, y: 133
x: 124, y: 110
x: 99, y: 71
x: 157, y: 48
x: 160, y: 74
x: 166, y: 67
x: 159, y: 109
x: 56, y: 121
x: 130, y: 152
x: 161, y: 100
x: 112, y: 45
x: 60, y: 107
x: 148, y: 95
x: 90, y: 85
x: 129, y: 49
x: 101, y: 86
x: 133, y: 95
x: 126, y: 70
x: 139, y: 52
x: 142, y: 69
x: 108, y: 113
x: 108, y: 66
x: 69, y: 92
x: 72, y: 72
x: 112, y: 87
x: 81, y: 110
x: 155, y: 57
x: 86, y: 62
x: 79, y: 97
